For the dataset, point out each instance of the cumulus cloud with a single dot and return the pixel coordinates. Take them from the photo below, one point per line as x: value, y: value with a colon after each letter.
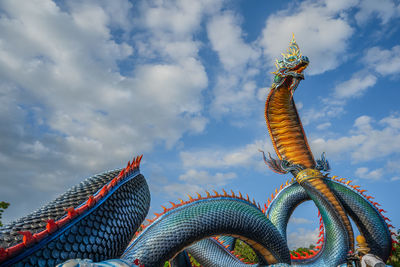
x: 324, y: 126
x: 244, y: 156
x: 232, y: 51
x: 233, y: 95
x: 330, y: 107
x: 366, y: 173
x: 178, y: 17
x: 384, y: 61
x: 377, y: 62
x: 65, y: 100
x: 354, y: 87
x: 235, y: 88
x: 320, y: 28
x: 299, y: 220
x: 302, y: 238
x: 198, y: 181
x: 168, y: 28
x: 366, y: 141
x: 384, y: 10
x: 203, y: 177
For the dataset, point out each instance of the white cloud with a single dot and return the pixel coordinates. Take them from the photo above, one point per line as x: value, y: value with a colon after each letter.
x: 180, y: 17
x: 363, y: 124
x: 392, y: 121
x: 189, y: 182
x: 335, y: 147
x: 169, y: 27
x: 116, y: 13
x: 299, y: 220
x: 354, y: 87
x: 244, y: 156
x: 365, y: 173
x: 198, y: 181
x: 321, y: 32
x: 302, y: 238
x: 235, y: 89
x: 233, y: 52
x: 383, y: 9
x: 182, y: 189
x: 384, y: 61
x: 69, y: 107
x: 324, y: 126
x: 204, y: 178
x: 365, y: 141
x: 393, y: 166
x: 262, y: 94
x: 233, y: 95
x: 339, y: 5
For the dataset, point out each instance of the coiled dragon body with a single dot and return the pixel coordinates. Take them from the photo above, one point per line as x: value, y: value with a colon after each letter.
x: 97, y: 219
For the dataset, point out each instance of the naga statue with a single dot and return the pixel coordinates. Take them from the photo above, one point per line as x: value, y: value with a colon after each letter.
x: 99, y: 221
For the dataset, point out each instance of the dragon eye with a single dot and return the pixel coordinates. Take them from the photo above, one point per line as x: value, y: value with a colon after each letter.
x: 292, y: 58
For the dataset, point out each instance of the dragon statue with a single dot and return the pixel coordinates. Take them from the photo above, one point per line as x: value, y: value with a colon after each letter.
x: 99, y: 221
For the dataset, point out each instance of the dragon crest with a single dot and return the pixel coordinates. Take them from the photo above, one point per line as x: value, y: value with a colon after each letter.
x: 293, y: 63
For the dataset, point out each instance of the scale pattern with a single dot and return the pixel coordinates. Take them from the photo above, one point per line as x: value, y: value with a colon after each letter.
x: 36, y: 221
x: 204, y: 218
x: 285, y: 128
x: 287, y: 133
x: 104, y: 212
x: 367, y: 218
x: 101, y: 237
x: 101, y: 233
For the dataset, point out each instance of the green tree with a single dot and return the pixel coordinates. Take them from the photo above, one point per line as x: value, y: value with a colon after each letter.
x: 245, y: 252
x: 3, y: 206
x: 394, y: 260
x: 302, y: 251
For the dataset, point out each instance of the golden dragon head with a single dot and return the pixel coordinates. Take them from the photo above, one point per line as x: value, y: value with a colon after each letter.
x: 292, y: 64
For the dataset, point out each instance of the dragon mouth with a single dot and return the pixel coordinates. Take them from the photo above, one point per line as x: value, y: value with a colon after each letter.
x: 301, y: 66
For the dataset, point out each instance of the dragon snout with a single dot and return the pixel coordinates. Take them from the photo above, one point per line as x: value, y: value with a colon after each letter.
x: 305, y: 59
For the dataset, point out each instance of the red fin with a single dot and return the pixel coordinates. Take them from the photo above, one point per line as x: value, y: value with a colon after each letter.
x: 28, y: 238
x: 139, y: 160
x: 103, y: 191
x: 91, y: 201
x: 71, y: 212
x: 51, y: 226
x: 225, y: 194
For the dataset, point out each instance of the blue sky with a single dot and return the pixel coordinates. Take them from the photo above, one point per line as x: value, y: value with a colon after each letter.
x: 87, y: 85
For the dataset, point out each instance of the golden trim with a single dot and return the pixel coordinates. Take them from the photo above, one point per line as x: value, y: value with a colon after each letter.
x: 307, y: 174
